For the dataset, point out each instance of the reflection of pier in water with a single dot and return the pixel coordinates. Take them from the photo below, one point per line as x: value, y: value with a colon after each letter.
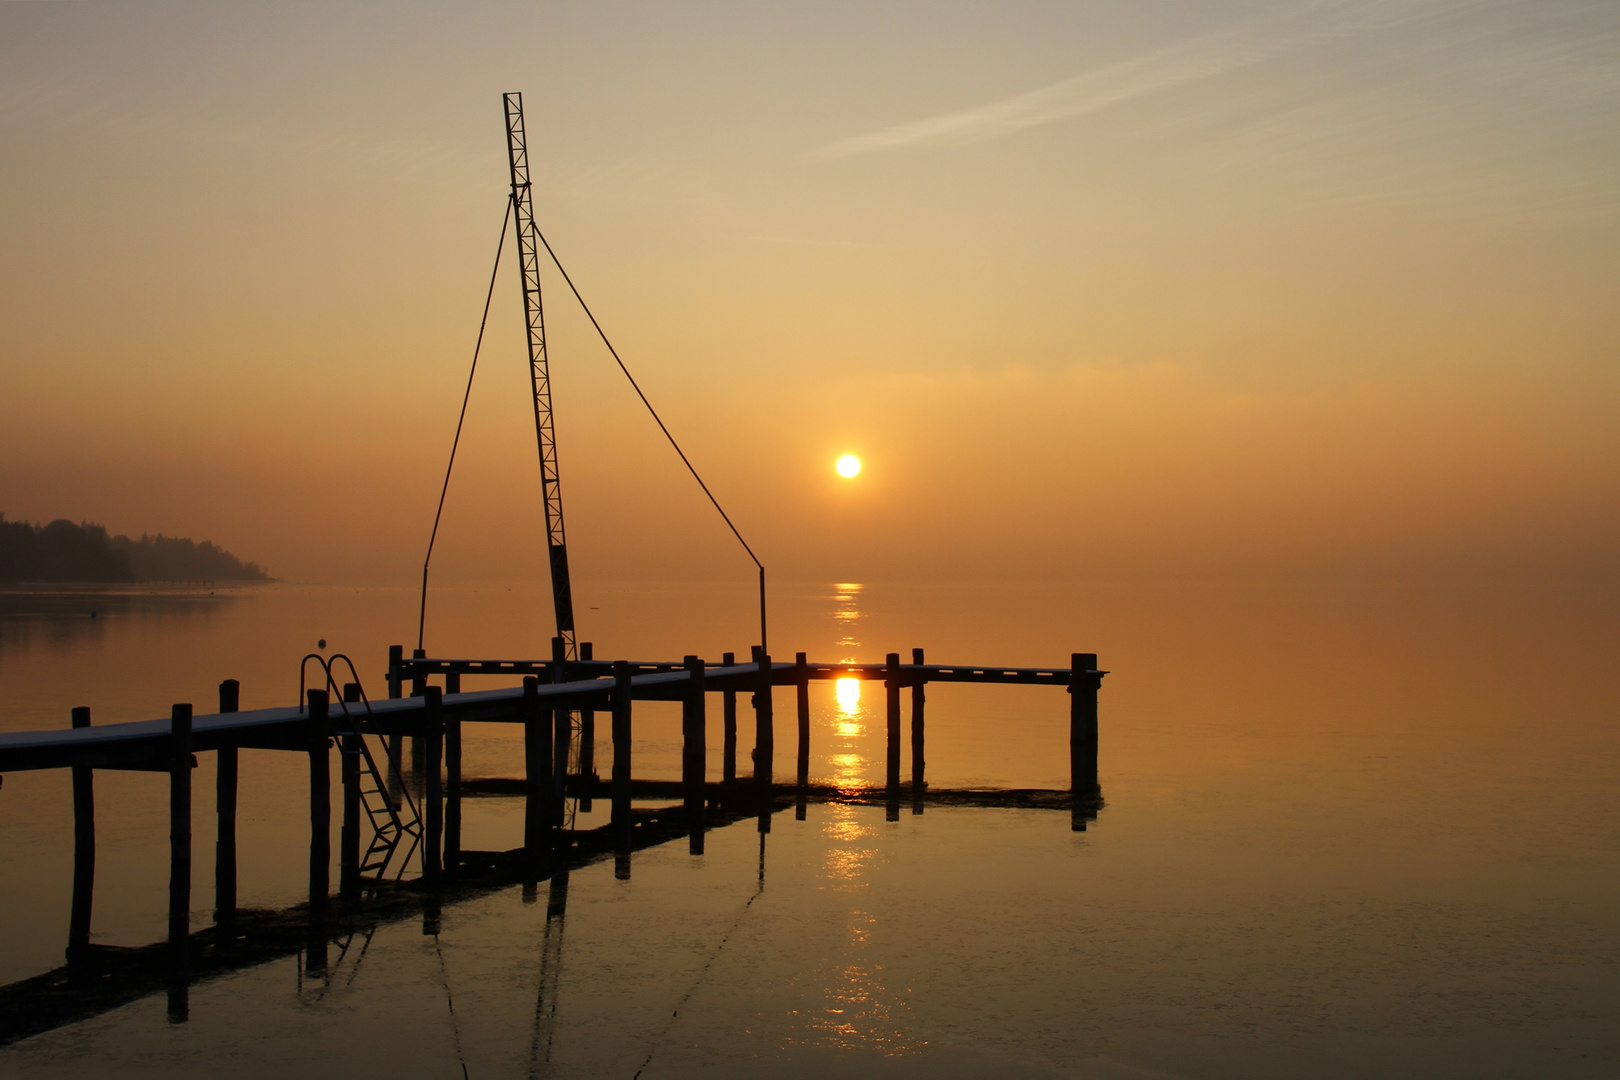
x: 559, y: 762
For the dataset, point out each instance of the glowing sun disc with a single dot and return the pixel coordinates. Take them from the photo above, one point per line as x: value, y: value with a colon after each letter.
x: 848, y: 465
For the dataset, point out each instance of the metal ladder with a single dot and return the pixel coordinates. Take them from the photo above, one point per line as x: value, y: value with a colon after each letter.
x: 392, y: 820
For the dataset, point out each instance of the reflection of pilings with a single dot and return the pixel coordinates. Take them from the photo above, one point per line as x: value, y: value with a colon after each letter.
x: 179, y: 859
x: 694, y: 751
x: 918, y: 730
x: 764, y: 739
x: 728, y: 754
x: 622, y: 825
x: 536, y: 776
x: 226, y: 772
x: 84, y: 850
x: 118, y: 976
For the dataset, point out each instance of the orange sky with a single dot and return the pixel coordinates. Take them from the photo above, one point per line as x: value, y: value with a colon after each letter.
x: 1181, y: 290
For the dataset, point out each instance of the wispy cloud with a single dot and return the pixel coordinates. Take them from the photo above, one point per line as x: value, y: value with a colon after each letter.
x: 1286, y: 32
x: 1162, y: 69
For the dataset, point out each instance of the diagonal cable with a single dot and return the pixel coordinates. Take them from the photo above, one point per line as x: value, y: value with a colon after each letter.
x: 661, y: 427
x: 421, y: 620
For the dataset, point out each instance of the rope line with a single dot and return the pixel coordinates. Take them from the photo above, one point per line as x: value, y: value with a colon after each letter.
x: 421, y: 619
x: 661, y: 427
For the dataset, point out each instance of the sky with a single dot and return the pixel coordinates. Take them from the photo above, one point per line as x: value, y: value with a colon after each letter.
x: 1167, y: 290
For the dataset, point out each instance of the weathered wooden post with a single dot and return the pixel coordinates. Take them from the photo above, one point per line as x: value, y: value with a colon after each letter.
x: 452, y: 682
x: 918, y: 696
x: 562, y: 735
x: 1084, y: 683
x: 587, y: 744
x: 418, y: 677
x: 694, y: 752
x: 84, y: 851
x: 433, y: 736
x: 728, y: 752
x: 320, y: 800
x: 452, y: 795
x: 349, y: 834
x: 891, y: 695
x: 622, y: 695
x: 801, y: 684
x: 764, y: 739
x: 396, y: 741
x: 536, y: 779
x: 226, y: 770
x: 179, y: 832
x: 418, y: 688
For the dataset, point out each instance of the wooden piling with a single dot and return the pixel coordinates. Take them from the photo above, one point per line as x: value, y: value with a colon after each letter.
x: 621, y: 766
x: 562, y: 734
x: 891, y: 695
x: 694, y: 752
x: 396, y: 742
x: 179, y: 832
x: 433, y: 737
x: 320, y: 800
x: 349, y: 834
x: 802, y: 697
x: 418, y: 680
x: 728, y: 752
x: 396, y: 657
x: 536, y: 777
x: 226, y: 767
x: 418, y: 688
x: 587, y: 744
x: 764, y: 739
x: 452, y: 682
x: 1084, y: 683
x: 452, y: 796
x: 918, y: 731
x: 84, y: 851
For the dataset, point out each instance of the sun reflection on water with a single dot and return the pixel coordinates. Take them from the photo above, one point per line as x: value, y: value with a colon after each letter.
x: 849, y: 696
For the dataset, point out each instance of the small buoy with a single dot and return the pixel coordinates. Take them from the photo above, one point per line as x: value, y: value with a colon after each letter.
x: 321, y: 644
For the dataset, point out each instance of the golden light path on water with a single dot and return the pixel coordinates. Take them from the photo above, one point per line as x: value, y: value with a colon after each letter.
x: 861, y: 1011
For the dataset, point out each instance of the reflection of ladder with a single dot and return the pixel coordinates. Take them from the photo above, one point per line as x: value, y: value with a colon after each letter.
x: 392, y: 818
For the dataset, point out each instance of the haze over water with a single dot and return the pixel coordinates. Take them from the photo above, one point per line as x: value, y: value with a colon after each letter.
x: 1348, y: 832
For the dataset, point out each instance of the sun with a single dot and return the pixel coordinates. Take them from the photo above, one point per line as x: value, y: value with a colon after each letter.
x: 848, y: 465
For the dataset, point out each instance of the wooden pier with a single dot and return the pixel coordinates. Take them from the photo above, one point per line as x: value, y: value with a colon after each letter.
x: 556, y: 704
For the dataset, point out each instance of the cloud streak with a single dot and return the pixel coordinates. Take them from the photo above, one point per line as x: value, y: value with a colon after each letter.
x: 1162, y: 69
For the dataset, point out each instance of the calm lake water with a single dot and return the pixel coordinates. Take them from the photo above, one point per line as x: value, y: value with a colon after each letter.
x: 1349, y: 832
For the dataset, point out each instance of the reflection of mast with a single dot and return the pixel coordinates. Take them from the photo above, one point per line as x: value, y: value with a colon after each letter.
x: 545, y: 999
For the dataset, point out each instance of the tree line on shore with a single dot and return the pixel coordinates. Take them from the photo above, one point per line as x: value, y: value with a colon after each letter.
x: 61, y: 552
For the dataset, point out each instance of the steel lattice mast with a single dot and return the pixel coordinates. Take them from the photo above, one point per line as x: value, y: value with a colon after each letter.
x: 539, y: 371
